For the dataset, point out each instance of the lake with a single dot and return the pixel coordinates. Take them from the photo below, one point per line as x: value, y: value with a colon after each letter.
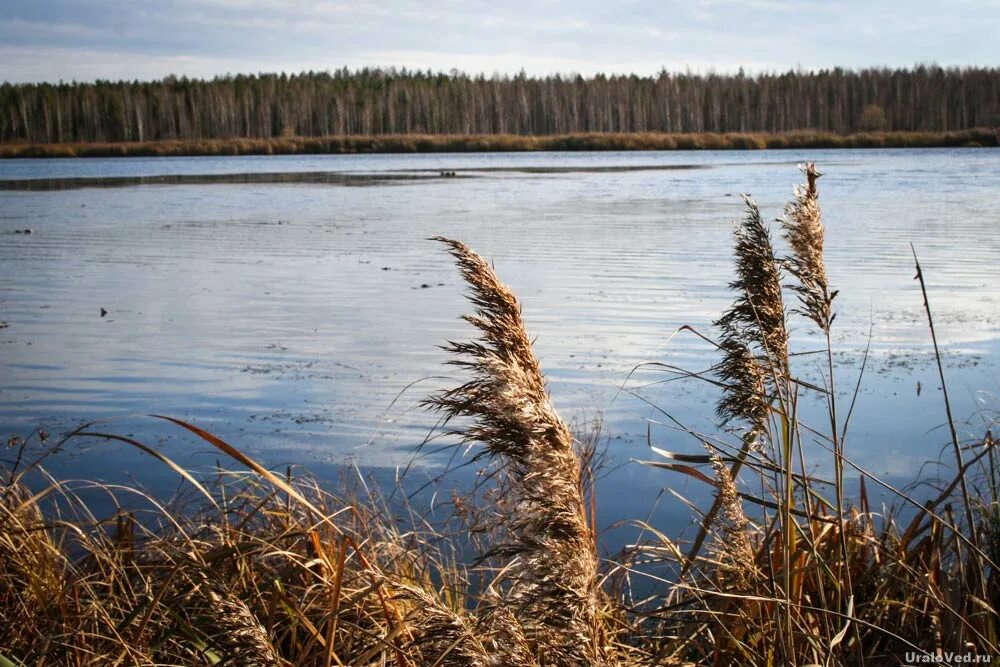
x: 294, y: 306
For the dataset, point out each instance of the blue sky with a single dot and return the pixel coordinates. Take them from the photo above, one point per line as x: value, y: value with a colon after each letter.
x: 88, y: 39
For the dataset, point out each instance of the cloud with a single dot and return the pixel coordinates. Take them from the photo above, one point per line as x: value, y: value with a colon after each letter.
x: 511, y: 63
x: 58, y: 64
x: 80, y: 39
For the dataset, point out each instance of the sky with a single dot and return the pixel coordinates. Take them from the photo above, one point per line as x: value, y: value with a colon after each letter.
x: 52, y: 40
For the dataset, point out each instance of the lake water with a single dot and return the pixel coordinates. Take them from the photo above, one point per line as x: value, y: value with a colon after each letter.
x: 294, y: 306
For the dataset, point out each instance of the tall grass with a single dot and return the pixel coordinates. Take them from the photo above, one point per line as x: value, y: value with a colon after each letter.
x: 552, y: 574
x: 257, y: 568
x: 827, y: 582
x: 458, y: 143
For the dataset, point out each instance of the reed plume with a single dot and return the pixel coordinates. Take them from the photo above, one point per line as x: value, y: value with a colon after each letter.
x: 551, y: 580
x: 739, y: 562
x: 229, y: 625
x: 758, y: 312
x: 745, y: 395
x: 440, y: 635
x: 804, y: 231
x: 503, y: 635
x: 754, y: 340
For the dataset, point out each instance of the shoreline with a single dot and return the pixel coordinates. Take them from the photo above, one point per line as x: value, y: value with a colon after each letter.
x: 451, y: 143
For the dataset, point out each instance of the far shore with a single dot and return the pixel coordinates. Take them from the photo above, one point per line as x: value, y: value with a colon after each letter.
x: 451, y: 143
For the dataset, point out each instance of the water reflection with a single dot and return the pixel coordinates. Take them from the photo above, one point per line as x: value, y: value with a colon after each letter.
x: 292, y: 318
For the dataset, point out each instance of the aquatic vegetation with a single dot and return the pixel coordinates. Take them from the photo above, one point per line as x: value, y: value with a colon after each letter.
x: 256, y: 568
x: 476, y: 143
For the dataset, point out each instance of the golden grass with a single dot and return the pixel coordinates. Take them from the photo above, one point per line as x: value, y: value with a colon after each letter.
x: 553, y: 572
x: 449, y: 143
x: 255, y: 579
x: 269, y: 570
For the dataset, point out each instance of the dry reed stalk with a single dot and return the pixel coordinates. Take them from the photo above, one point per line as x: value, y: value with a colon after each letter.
x: 552, y: 580
x: 754, y: 344
x: 754, y: 337
x: 32, y: 570
x: 805, y: 233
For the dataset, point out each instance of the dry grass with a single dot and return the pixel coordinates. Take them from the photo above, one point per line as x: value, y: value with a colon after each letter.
x: 551, y: 581
x: 260, y: 569
x: 835, y: 584
x: 457, y: 143
x: 252, y: 580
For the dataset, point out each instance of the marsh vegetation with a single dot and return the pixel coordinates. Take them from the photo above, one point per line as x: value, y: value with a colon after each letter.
x: 788, y: 565
x: 501, y: 143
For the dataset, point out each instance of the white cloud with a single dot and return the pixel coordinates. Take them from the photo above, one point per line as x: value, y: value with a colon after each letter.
x: 47, y: 28
x: 89, y: 38
x: 55, y: 64
x: 488, y: 63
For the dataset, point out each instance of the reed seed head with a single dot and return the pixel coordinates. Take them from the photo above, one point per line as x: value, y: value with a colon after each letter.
x: 753, y: 340
x: 734, y: 547
x: 758, y: 312
x: 804, y: 231
x: 746, y: 396
x: 230, y: 625
x: 552, y: 581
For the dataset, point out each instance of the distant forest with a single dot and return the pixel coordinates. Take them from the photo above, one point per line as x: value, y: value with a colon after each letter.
x: 386, y: 101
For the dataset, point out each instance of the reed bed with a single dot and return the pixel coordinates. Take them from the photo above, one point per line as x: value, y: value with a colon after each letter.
x: 250, y: 567
x: 458, y: 143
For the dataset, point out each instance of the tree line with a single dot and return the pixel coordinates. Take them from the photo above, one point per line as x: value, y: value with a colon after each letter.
x: 389, y: 101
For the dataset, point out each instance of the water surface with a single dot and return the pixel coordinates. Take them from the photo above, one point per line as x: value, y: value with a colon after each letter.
x: 294, y: 305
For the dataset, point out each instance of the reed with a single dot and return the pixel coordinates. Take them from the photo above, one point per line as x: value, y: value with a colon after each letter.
x: 463, y: 143
x: 840, y: 583
x: 805, y: 234
x: 757, y: 317
x: 553, y: 575
x: 251, y: 567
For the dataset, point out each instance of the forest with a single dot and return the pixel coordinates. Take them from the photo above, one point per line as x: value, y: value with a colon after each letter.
x: 376, y: 102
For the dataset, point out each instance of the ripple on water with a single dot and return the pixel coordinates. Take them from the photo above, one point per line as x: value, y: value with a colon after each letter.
x: 274, y: 301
